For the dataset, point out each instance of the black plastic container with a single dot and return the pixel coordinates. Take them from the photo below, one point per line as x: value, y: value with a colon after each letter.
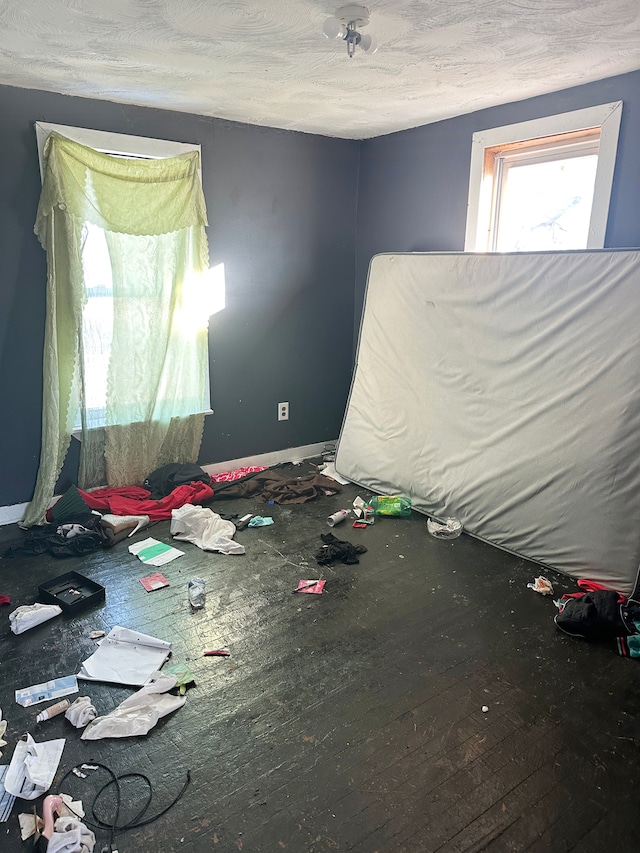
x: 71, y: 592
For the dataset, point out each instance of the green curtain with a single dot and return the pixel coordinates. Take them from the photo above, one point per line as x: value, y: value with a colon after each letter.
x: 153, y: 216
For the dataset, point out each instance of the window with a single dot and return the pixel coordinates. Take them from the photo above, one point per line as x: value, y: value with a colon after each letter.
x: 544, y: 184
x: 98, y: 314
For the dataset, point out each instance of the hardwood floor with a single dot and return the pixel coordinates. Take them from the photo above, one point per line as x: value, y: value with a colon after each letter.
x: 349, y: 721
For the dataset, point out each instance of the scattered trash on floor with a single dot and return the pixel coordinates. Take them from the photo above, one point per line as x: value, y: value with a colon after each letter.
x: 54, y: 689
x: 337, y: 517
x: 329, y: 470
x: 72, y: 592
x: 220, y: 653
x: 29, y: 825
x: 314, y: 587
x: 4, y: 599
x: 138, y: 714
x: 184, y: 676
x: 448, y: 528
x: 125, y: 657
x: 95, y: 635
x: 541, y: 585
x: 155, y: 581
x: 154, y: 553
x: 33, y: 767
x: 243, y: 522
x: 30, y: 615
x: 260, y: 521
x: 64, y: 834
x: 106, y: 810
x: 196, y: 590
x: 81, y: 712
x: 393, y: 505
x: 53, y: 711
x: 363, y: 512
x: 485, y: 709
x: 336, y: 549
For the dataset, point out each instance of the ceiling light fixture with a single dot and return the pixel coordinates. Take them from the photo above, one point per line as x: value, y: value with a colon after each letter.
x: 344, y: 24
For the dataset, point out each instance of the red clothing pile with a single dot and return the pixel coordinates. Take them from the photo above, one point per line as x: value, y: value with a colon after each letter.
x: 134, y: 500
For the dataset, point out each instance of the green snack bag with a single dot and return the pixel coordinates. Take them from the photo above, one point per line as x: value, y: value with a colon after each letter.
x: 183, y: 674
x: 391, y: 505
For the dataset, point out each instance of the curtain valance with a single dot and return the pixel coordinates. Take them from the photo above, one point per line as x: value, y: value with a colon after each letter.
x: 123, y: 195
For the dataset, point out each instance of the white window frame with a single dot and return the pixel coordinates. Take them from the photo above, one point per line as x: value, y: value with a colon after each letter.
x: 121, y: 145
x: 604, y: 116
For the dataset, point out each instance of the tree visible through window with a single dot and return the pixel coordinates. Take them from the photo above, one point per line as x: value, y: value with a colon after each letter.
x: 532, y: 190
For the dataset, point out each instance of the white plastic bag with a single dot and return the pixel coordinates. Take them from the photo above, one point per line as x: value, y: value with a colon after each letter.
x: 30, y: 615
x: 33, y: 767
x: 139, y: 713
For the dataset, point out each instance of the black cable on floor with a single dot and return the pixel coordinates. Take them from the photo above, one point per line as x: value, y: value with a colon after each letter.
x: 113, y: 825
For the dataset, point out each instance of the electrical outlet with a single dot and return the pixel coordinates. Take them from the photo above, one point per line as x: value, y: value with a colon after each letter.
x: 283, y: 411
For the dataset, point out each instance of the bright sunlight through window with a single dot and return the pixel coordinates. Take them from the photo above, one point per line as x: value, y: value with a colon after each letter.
x: 543, y: 185
x: 203, y: 295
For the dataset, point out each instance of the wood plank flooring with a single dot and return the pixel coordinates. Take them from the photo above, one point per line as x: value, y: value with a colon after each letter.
x: 350, y: 721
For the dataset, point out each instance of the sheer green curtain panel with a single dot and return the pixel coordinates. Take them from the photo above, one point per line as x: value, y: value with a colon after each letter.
x: 131, y: 231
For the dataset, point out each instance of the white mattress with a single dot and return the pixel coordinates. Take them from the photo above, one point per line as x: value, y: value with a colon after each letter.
x: 505, y: 390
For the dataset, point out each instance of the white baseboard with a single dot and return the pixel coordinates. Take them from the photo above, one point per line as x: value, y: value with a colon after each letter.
x: 277, y: 457
x: 13, y: 514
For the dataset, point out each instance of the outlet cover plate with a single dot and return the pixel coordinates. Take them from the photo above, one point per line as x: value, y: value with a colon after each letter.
x: 283, y: 411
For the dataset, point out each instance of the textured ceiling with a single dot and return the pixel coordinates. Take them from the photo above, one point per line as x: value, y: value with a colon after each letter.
x: 268, y: 63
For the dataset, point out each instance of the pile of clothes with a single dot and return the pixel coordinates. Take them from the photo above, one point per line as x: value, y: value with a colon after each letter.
x: 601, y: 615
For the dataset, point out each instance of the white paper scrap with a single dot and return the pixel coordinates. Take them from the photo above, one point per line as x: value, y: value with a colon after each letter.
x: 125, y: 657
x: 154, y: 553
x: 53, y: 689
x: 329, y: 470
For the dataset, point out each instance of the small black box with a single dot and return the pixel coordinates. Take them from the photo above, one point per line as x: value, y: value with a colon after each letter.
x: 71, y: 592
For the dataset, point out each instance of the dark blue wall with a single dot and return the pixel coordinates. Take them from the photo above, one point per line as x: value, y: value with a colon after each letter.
x: 282, y: 213
x: 414, y: 185
x: 281, y: 210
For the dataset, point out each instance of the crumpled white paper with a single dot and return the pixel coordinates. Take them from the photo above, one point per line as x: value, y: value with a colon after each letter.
x: 81, y: 712
x: 204, y: 528
x: 33, y: 767
x: 30, y: 615
x: 70, y: 835
x: 139, y: 713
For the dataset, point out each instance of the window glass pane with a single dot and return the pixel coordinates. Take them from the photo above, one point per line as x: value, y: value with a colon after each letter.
x: 97, y: 324
x: 546, y: 206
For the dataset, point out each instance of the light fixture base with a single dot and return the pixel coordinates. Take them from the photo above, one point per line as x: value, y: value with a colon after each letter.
x: 353, y: 13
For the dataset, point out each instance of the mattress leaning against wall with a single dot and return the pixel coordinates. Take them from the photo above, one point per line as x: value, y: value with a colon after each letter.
x: 505, y: 390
